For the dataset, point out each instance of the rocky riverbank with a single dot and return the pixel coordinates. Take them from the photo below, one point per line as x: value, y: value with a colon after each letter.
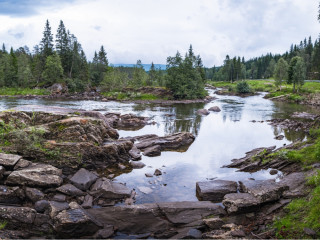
x: 53, y: 181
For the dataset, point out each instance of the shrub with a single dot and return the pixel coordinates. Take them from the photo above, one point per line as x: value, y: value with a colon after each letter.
x: 243, y: 87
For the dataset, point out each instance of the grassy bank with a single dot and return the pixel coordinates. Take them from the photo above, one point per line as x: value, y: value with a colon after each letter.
x: 129, y: 96
x: 309, y: 88
x: 23, y: 91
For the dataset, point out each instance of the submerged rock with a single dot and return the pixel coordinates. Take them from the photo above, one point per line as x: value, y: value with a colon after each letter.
x: 215, y: 190
x: 203, y: 112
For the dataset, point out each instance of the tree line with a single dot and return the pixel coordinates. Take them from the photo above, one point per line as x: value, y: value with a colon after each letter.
x: 61, y: 59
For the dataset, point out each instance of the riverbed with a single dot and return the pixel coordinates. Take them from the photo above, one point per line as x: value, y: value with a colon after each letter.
x: 220, y: 137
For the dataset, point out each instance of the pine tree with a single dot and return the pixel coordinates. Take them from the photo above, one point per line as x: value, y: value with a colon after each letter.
x: 46, y: 44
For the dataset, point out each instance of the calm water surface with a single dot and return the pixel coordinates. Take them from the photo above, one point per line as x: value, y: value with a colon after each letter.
x: 220, y: 137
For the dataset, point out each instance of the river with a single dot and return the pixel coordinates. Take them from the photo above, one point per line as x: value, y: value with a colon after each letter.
x: 220, y: 137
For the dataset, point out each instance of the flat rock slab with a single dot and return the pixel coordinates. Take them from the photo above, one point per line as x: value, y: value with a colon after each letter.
x: 38, y: 175
x: 83, y: 179
x: 263, y: 190
x: 161, y: 217
x: 215, y: 190
x: 296, y: 184
x: 240, y: 202
x: 105, y: 188
x: 75, y: 223
x: 17, y: 215
x: 70, y: 190
x: 9, y: 160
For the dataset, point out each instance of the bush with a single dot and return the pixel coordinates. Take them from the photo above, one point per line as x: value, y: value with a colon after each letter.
x: 243, y: 87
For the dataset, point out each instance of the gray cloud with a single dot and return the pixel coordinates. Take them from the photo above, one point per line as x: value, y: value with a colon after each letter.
x: 17, y: 35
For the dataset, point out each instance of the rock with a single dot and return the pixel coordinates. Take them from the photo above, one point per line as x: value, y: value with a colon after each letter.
x: 22, y: 164
x: 2, y: 171
x: 9, y: 160
x: 230, y: 226
x: 215, y: 109
x: 59, y: 198
x: 203, y: 112
x: 135, y: 153
x: 304, y: 115
x: 238, y: 234
x: 273, y: 172
x: 148, y: 175
x: 104, y: 188
x: 240, y: 203
x: 105, y: 233
x: 310, y: 232
x: 121, y: 166
x: 137, y: 165
x: 83, y: 179
x: 216, y: 234
x: 215, y: 190
x: 16, y: 216
x: 41, y: 206
x: 11, y: 195
x: 34, y: 194
x: 156, y: 217
x: 263, y: 190
x: 194, y: 234
x: 145, y: 190
x: 74, y: 205
x: 157, y: 172
x: 279, y: 137
x: 56, y: 207
x: 37, y: 175
x: 70, y: 190
x: 75, y: 223
x: 87, y: 202
x: 131, y: 122
x: 213, y: 223
x: 296, y: 184
x: 176, y: 141
x: 152, y: 151
x: 58, y: 88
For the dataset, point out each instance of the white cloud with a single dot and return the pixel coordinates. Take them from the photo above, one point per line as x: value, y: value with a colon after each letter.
x: 152, y: 30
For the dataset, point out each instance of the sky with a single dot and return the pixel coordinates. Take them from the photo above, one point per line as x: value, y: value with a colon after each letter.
x: 152, y: 30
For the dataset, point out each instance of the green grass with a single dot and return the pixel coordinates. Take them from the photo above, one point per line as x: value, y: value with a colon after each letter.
x: 301, y: 213
x: 23, y: 91
x: 129, y: 95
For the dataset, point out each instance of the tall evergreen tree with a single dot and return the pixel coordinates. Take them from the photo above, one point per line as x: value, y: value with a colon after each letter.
x: 46, y: 44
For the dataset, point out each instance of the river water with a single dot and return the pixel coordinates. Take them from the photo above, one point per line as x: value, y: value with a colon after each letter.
x: 220, y: 137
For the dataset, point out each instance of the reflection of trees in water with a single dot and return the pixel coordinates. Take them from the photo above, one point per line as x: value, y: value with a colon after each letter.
x: 293, y: 135
x: 233, y: 111
x: 183, y: 118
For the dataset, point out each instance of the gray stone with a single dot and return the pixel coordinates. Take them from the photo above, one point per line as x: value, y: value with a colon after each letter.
x: 240, y: 202
x: 135, y: 153
x: 214, y: 223
x: 263, y: 190
x: 203, y: 112
x: 34, y: 194
x: 296, y: 184
x: 87, y: 202
x: 194, y: 234
x: 215, y: 109
x: 152, y: 151
x: 2, y: 171
x: 215, y: 190
x: 70, y: 190
x: 83, y: 179
x: 156, y: 217
x: 273, y: 172
x: 22, y: 164
x: 238, y: 233
x: 9, y: 160
x: 104, y: 233
x: 75, y: 223
x: 149, y: 175
x: 56, y: 207
x: 38, y: 175
x: 17, y: 215
x: 59, y: 198
x: 279, y: 137
x: 104, y: 188
x: 41, y: 206
x: 11, y: 195
x: 137, y: 165
x: 157, y: 172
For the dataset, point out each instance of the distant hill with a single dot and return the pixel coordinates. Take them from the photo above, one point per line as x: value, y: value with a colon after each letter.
x: 145, y: 66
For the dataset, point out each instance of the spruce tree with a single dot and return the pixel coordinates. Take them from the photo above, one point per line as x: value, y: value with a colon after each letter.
x: 46, y: 44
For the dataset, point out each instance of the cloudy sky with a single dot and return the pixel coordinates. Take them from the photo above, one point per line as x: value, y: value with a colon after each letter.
x: 151, y: 30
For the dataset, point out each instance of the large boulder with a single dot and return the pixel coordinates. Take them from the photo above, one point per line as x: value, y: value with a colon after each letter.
x: 105, y: 188
x: 37, y: 175
x: 75, y: 223
x: 176, y: 141
x: 215, y: 190
x: 240, y: 203
x: 156, y: 217
x: 83, y: 179
x: 263, y: 190
x: 9, y: 160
